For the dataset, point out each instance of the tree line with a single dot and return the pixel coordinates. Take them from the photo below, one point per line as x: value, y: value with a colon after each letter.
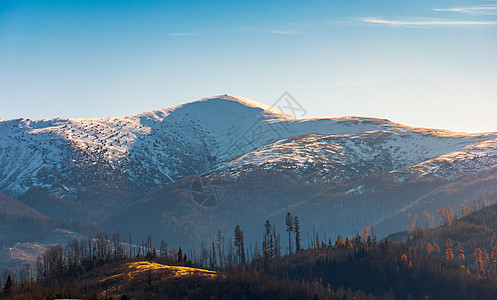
x: 358, y: 266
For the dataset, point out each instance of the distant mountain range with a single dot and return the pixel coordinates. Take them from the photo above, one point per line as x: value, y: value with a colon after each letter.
x: 183, y: 172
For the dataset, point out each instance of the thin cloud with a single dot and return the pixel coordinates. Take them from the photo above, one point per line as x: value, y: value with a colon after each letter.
x: 427, y: 22
x: 476, y: 10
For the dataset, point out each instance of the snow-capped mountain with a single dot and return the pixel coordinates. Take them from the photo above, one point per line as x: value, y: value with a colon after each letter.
x: 222, y: 160
x: 152, y: 149
x: 168, y: 143
x: 129, y: 155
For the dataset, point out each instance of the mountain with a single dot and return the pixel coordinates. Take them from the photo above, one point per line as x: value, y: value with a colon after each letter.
x: 107, y: 163
x: 183, y: 172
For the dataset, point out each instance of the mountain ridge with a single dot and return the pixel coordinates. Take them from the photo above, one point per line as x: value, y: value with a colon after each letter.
x: 97, y: 170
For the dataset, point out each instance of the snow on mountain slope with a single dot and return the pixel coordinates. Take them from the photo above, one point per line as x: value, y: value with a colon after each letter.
x: 351, y: 156
x: 149, y: 149
x: 471, y: 158
x: 137, y: 154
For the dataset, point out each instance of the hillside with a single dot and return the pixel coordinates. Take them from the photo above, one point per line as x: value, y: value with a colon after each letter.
x: 19, y: 222
x: 471, y: 230
x: 25, y: 233
x: 364, y: 270
x: 192, y: 209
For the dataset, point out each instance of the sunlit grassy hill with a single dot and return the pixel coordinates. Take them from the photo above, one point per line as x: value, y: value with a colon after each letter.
x: 131, y: 278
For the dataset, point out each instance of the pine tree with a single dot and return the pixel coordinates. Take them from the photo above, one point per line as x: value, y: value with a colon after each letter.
x: 9, y: 284
x: 239, y: 244
x: 180, y: 255
x: 213, y: 255
x: 220, y: 246
x: 289, y: 229
x: 277, y: 244
x: 296, y: 227
x: 268, y: 244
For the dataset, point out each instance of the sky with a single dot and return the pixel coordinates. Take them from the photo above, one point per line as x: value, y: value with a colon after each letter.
x: 420, y: 63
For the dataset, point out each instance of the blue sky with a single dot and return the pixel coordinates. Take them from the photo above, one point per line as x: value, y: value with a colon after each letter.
x: 420, y: 63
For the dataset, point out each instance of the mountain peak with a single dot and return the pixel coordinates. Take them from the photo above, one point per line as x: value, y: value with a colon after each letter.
x: 242, y: 101
x: 238, y: 99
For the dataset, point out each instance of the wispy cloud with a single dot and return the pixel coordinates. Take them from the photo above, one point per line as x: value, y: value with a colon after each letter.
x: 427, y: 22
x: 475, y: 10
